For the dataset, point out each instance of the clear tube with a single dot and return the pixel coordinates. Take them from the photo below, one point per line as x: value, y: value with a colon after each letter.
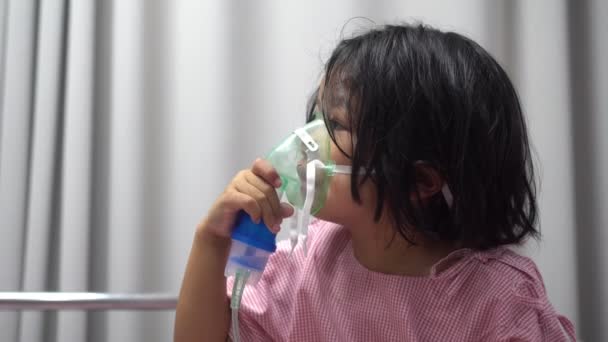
x: 240, y: 279
x: 236, y: 334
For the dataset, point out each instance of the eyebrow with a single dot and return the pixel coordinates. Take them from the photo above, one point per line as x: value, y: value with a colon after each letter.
x: 337, y: 100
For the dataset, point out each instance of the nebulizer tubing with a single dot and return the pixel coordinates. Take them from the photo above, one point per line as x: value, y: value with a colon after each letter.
x: 240, y: 279
x: 252, y: 245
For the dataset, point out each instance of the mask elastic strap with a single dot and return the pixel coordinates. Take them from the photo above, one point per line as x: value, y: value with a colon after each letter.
x: 343, y: 169
x: 299, y: 227
x: 445, y: 189
x: 293, y: 229
x: 447, y: 194
x: 311, y: 172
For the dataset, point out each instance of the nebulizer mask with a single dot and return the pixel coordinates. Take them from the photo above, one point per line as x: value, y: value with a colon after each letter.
x: 304, y: 165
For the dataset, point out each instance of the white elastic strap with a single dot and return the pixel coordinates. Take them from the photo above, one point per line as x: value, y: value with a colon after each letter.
x: 343, y: 169
x: 447, y: 194
x: 346, y: 169
x: 311, y: 172
x: 299, y: 225
x: 293, y: 229
x: 298, y: 230
x: 445, y: 189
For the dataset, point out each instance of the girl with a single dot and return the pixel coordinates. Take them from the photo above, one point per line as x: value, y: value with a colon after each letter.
x: 412, y: 246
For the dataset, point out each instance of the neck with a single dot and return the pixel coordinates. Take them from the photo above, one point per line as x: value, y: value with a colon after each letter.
x: 382, y: 249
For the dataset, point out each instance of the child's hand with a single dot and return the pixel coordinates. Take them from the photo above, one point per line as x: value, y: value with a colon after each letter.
x: 251, y: 190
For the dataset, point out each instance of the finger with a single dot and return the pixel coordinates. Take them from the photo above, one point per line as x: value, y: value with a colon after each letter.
x: 269, y: 191
x: 236, y: 201
x: 275, y: 229
x: 267, y: 215
x: 286, y: 210
x: 263, y: 169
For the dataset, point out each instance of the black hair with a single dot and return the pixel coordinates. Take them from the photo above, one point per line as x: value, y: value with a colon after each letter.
x: 414, y: 93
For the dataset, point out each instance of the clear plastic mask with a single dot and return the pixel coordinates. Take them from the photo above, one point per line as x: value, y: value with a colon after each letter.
x: 291, y: 157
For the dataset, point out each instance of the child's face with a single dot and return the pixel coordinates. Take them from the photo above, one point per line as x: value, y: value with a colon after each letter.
x: 339, y: 206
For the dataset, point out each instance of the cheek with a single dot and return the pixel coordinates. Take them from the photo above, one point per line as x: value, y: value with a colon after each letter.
x: 338, y: 204
x: 338, y: 157
x: 341, y: 208
x: 344, y: 141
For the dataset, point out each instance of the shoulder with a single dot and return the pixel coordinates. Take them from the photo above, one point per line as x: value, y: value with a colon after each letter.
x: 510, y: 289
x: 515, y: 275
x: 502, y: 277
x: 498, y: 271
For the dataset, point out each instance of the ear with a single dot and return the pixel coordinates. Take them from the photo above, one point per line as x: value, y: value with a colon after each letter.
x: 428, y: 180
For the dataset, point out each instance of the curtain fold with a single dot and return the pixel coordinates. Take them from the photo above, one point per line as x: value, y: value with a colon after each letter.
x: 589, y: 85
x: 19, y: 70
x: 46, y: 141
x: 75, y: 185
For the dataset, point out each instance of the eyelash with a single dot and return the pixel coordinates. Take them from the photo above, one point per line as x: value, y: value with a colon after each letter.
x: 335, y: 126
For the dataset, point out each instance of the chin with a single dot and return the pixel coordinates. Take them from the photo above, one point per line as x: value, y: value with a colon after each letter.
x: 327, y: 214
x: 323, y: 214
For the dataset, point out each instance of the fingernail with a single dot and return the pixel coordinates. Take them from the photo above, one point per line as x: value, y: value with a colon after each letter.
x: 277, y: 182
x: 276, y: 228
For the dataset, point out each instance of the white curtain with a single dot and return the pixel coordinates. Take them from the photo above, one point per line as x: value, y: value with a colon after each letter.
x: 121, y: 121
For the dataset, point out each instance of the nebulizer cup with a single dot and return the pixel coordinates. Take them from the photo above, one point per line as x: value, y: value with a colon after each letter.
x: 303, y: 164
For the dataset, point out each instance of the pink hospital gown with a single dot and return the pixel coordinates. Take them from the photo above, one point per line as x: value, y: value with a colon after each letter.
x: 494, y: 295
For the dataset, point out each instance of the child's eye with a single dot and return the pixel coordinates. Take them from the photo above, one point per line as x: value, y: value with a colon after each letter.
x: 335, y: 125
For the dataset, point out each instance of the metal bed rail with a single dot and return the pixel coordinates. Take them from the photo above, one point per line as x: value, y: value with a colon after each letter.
x: 17, y: 301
